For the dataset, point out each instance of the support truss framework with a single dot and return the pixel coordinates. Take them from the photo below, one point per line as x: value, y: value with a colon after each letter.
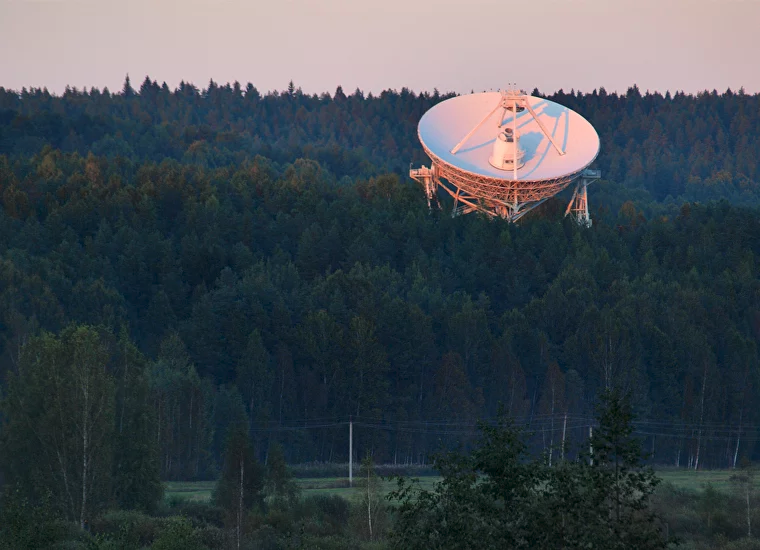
x: 578, y: 205
x: 508, y: 199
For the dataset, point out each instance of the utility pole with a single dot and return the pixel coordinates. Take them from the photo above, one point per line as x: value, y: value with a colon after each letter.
x: 564, y: 430
x: 590, y: 445
x: 350, y: 452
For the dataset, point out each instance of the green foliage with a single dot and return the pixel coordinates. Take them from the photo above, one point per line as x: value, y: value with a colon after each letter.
x: 498, y: 497
x: 59, y: 421
x: 604, y: 499
x: 383, y: 312
x: 370, y: 519
x: 24, y: 525
x: 711, y: 504
x: 78, y: 427
x: 743, y: 482
x: 654, y: 146
x: 181, y: 400
x: 178, y: 534
x: 280, y: 488
x: 324, y: 515
x: 136, y: 481
x: 126, y: 529
x: 484, y: 498
x: 240, y: 487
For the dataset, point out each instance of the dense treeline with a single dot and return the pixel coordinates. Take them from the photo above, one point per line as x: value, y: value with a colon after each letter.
x: 654, y: 146
x: 308, y: 301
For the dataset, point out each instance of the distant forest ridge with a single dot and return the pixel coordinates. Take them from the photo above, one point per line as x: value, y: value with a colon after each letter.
x: 654, y: 148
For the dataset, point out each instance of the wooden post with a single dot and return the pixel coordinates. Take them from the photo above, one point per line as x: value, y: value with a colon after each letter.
x: 350, y: 452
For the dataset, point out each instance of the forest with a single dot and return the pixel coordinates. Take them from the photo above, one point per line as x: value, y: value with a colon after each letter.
x: 181, y: 266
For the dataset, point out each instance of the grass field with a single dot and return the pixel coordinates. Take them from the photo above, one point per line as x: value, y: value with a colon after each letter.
x: 201, y: 490
x: 695, y: 481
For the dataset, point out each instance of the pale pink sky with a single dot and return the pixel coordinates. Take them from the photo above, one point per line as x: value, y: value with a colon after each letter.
x: 459, y: 45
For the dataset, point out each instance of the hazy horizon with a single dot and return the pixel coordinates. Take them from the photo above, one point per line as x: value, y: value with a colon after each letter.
x: 666, y: 45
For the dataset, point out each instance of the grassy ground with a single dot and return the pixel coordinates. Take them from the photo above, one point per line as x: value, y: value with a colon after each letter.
x: 689, y: 479
x: 188, y: 490
x: 201, y: 490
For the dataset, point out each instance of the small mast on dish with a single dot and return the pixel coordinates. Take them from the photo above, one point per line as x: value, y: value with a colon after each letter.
x: 507, y: 153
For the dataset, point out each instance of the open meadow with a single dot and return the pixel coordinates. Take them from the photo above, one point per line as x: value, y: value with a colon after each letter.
x: 201, y: 490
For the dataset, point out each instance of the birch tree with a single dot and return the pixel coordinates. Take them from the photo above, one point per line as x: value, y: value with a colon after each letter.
x: 372, y: 508
x: 240, y: 486
x: 743, y: 482
x: 60, y: 419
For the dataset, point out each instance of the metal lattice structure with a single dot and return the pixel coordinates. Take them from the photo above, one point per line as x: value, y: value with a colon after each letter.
x: 509, y: 197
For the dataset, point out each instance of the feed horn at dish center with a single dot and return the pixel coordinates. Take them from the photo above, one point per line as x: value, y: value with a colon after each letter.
x: 504, y: 153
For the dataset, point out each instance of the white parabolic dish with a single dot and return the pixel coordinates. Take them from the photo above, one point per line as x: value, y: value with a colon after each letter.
x: 444, y: 125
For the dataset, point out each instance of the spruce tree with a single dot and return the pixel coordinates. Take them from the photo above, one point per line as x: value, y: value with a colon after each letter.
x: 280, y: 487
x: 127, y: 90
x: 603, y: 499
x: 498, y: 497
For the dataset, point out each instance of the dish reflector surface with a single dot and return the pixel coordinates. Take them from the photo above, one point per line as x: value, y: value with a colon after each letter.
x: 445, y: 124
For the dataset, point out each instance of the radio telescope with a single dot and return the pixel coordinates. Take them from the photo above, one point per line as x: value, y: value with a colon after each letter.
x: 504, y: 153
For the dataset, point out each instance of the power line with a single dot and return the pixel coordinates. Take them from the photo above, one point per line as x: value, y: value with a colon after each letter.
x: 675, y: 429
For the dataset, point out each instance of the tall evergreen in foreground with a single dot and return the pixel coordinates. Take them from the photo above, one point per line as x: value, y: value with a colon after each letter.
x: 279, y: 487
x: 500, y: 497
x: 602, y: 500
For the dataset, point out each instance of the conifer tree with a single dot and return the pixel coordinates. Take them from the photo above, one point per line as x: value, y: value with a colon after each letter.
x: 280, y: 487
x: 127, y: 91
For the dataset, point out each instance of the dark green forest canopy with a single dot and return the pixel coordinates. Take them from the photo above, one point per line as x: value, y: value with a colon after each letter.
x: 679, y: 146
x: 266, y: 248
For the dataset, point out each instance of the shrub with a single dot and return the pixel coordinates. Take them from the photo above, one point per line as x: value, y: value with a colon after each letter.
x: 201, y: 513
x: 133, y: 529
x: 280, y: 520
x: 178, y: 534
